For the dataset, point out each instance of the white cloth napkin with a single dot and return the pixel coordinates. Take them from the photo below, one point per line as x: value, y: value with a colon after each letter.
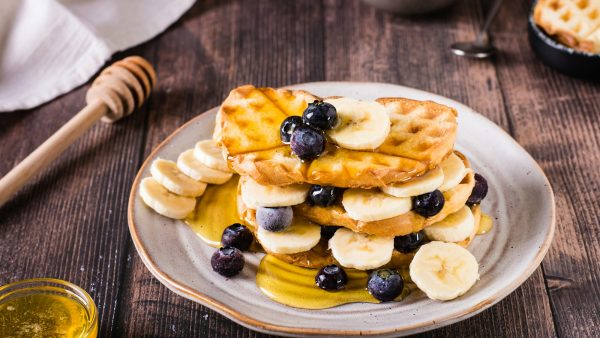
x: 49, y: 47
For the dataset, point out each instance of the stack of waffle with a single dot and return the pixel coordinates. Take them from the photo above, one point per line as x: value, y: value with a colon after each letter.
x: 375, y: 209
x: 575, y: 23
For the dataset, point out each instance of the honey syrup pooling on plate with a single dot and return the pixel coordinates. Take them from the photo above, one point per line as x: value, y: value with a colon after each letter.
x: 295, y: 286
x: 44, y: 315
x: 216, y: 210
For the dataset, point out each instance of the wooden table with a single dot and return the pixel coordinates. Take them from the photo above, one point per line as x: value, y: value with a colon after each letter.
x: 71, y: 222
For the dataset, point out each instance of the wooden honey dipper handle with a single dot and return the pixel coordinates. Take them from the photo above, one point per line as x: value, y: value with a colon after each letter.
x: 115, y: 93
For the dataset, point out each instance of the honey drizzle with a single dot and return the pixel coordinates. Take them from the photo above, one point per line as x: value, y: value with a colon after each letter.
x: 485, y: 224
x: 216, y: 210
x: 295, y: 286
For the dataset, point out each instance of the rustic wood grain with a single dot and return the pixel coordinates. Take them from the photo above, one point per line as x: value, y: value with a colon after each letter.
x: 556, y: 119
x: 70, y: 222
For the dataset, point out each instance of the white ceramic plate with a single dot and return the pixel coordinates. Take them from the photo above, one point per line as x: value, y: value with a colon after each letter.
x: 520, y: 200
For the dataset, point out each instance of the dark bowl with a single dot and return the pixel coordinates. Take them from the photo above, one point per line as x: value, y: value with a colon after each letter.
x: 560, y: 57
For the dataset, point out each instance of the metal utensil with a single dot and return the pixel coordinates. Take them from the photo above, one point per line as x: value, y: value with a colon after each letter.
x: 482, y: 47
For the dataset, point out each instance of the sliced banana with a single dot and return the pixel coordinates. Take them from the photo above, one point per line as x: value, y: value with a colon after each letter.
x: 454, y: 171
x: 369, y: 205
x: 257, y: 195
x: 165, y: 202
x: 362, y: 125
x: 444, y: 271
x: 189, y: 165
x: 301, y: 236
x: 166, y: 173
x: 425, y: 183
x: 211, y: 155
x: 455, y: 227
x: 361, y: 251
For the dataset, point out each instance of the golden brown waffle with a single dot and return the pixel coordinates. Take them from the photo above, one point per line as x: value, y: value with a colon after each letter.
x: 422, y: 135
x: 320, y: 255
x: 404, y: 224
x: 575, y: 23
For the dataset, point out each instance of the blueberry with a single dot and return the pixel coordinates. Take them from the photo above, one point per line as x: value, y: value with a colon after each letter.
x: 237, y: 236
x: 323, y: 195
x: 410, y: 242
x: 429, y: 204
x: 331, y: 277
x: 479, y: 190
x: 327, y: 231
x: 274, y: 219
x: 287, y: 128
x: 227, y: 261
x: 385, y: 284
x: 307, y: 142
x: 321, y: 115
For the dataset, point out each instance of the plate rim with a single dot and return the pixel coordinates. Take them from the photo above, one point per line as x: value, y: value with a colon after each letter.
x: 231, y: 313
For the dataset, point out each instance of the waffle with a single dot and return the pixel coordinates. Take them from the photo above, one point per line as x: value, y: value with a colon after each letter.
x: 320, y: 255
x: 422, y: 135
x: 404, y: 224
x: 575, y: 23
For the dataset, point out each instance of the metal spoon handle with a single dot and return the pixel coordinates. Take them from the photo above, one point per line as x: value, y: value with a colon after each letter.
x: 482, y: 35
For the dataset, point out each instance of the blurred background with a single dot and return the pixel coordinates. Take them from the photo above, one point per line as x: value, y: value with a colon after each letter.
x: 70, y: 223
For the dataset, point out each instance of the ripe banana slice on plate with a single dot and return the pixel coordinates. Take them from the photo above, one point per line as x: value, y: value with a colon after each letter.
x: 166, y: 173
x: 369, y: 205
x: 165, y: 202
x: 211, y: 155
x: 362, y: 125
x: 189, y: 165
x: 425, y: 183
x: 361, y: 251
x: 301, y: 236
x: 257, y: 195
x: 455, y: 227
x: 444, y: 271
x: 454, y: 171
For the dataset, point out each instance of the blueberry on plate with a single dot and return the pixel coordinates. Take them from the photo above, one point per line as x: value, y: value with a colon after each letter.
x: 227, y: 261
x: 331, y: 278
x: 323, y: 195
x: 321, y: 115
x: 479, y: 190
x: 307, y: 142
x: 327, y: 231
x: 409, y: 243
x: 287, y: 128
x: 237, y: 236
x: 274, y: 219
x: 385, y: 284
x: 429, y: 204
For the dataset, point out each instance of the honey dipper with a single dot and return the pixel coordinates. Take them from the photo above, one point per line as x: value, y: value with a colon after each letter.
x: 115, y: 93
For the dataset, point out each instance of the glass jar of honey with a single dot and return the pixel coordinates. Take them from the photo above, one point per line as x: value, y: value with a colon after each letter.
x: 46, y: 307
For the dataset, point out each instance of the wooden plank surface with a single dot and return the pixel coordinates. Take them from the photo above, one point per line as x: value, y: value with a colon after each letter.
x: 71, y: 222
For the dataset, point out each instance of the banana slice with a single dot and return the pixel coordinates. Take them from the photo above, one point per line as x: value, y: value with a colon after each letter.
x: 165, y: 202
x: 257, y: 195
x: 455, y: 227
x: 428, y: 182
x: 301, y: 236
x: 373, y: 205
x: 361, y: 251
x: 166, y: 173
x: 454, y: 171
x: 362, y: 125
x: 444, y: 271
x: 189, y: 165
x: 211, y: 155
